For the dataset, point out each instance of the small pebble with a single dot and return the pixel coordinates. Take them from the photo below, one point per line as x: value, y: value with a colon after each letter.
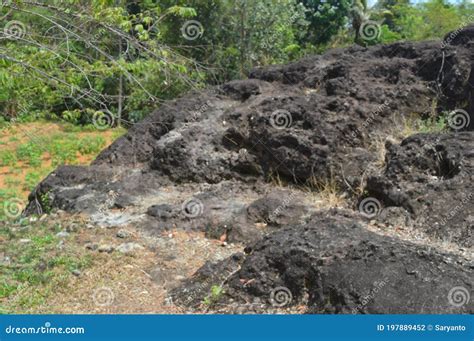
x: 129, y: 247
x: 25, y: 241
x: 76, y: 272
x: 62, y: 234
x: 106, y: 248
x: 91, y: 246
x: 123, y: 234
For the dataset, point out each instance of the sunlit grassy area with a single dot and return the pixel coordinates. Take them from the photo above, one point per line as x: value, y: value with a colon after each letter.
x: 47, y: 267
x: 35, y: 265
x: 30, y: 151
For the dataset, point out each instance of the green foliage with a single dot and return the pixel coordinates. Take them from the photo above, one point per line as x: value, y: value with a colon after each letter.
x: 239, y: 35
x: 432, y: 125
x: 214, y: 296
x: 429, y: 20
x: 7, y: 158
x: 326, y: 19
x: 35, y: 263
x: 29, y: 152
x: 75, y: 59
x: 31, y: 180
x: 45, y: 203
x: 91, y: 144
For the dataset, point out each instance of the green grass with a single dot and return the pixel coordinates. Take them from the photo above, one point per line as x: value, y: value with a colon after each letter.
x: 29, y: 161
x: 31, y: 180
x: 7, y: 158
x: 432, y: 125
x: 37, y: 267
x: 413, y: 125
x: 91, y: 145
x: 214, y: 296
x: 30, y: 153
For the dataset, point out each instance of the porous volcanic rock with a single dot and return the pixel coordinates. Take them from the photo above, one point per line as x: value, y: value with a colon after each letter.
x: 333, y: 265
x: 431, y: 176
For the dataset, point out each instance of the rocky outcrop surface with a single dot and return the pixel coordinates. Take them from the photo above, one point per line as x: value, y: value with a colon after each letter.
x: 431, y: 177
x: 257, y: 161
x: 333, y: 265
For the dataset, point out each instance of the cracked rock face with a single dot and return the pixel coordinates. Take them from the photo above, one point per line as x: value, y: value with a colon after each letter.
x: 235, y: 162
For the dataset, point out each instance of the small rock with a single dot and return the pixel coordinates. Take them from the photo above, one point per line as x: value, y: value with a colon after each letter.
x: 76, y: 272
x: 43, y: 217
x: 73, y: 227
x: 25, y: 241
x: 129, y: 247
x: 92, y: 246
x: 123, y: 201
x: 62, y: 234
x: 162, y: 211
x: 33, y: 219
x: 123, y: 234
x: 106, y: 248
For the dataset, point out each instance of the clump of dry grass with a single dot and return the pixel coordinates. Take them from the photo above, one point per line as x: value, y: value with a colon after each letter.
x: 327, y: 192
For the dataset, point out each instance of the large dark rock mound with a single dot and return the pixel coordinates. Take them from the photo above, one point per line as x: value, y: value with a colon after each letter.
x: 259, y: 161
